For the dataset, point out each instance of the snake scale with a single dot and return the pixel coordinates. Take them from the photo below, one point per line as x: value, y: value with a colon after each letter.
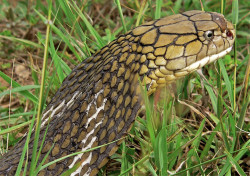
x: 99, y: 100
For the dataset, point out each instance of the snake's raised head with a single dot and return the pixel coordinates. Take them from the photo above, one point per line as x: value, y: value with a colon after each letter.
x: 179, y: 44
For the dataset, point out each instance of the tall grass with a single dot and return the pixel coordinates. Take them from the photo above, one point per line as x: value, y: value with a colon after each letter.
x: 199, y: 126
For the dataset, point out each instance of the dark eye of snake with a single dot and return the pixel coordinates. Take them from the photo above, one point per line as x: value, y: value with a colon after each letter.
x: 209, y: 35
x: 229, y: 34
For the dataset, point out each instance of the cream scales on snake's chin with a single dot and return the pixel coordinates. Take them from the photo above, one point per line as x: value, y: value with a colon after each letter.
x: 98, y: 102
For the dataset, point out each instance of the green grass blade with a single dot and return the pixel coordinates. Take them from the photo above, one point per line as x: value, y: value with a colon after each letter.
x: 40, y: 105
x: 76, y: 153
x: 197, y: 140
x: 177, y: 6
x: 25, y: 93
x: 209, y: 142
x: 8, y: 130
x: 242, y: 152
x: 219, y: 97
x: 56, y: 60
x: 124, y: 163
x: 121, y: 14
x: 212, y: 96
x: 160, y: 151
x: 173, y: 157
x: 150, y: 168
x: 39, y: 152
x: 37, y: 170
x: 163, y: 151
x: 135, y: 164
x: 143, y: 8
x: 65, y: 38
x: 158, y: 9
x: 235, y: 164
x: 227, y: 81
x: 149, y: 118
x: 223, y: 5
x: 91, y: 29
x: 214, y: 118
x: 25, y: 149
x: 76, y: 28
x: 235, y: 11
x: 224, y: 135
x: 19, y: 89
x: 243, y: 113
x: 23, y: 41
x: 17, y: 115
x: 202, y: 172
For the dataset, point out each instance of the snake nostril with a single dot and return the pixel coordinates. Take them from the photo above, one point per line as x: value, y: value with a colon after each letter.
x: 229, y: 34
x: 73, y: 144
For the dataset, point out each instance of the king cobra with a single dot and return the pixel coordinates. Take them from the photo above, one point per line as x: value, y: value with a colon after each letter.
x: 100, y: 99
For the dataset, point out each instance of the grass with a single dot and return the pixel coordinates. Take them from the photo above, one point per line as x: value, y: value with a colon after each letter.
x: 200, y: 126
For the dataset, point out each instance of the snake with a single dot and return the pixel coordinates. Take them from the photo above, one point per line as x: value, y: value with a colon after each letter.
x: 99, y: 100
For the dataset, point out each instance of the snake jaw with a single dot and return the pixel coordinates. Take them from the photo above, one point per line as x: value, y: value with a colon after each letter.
x: 227, y: 35
x: 206, y: 60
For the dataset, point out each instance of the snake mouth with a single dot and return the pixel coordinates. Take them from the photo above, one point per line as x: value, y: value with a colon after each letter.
x: 206, y: 60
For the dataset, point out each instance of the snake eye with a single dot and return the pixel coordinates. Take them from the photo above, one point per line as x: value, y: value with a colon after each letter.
x: 209, y: 35
x: 230, y: 35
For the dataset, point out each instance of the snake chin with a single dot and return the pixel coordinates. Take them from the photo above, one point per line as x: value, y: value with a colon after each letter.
x: 206, y: 60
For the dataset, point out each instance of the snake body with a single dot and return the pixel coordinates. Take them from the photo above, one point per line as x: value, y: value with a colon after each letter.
x: 98, y: 102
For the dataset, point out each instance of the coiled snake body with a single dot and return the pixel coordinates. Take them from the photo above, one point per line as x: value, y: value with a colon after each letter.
x: 98, y: 102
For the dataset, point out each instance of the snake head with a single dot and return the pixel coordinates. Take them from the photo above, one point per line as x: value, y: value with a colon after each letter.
x: 216, y: 36
x: 180, y: 44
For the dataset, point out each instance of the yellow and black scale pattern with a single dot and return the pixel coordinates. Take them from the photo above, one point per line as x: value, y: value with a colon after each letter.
x: 98, y: 102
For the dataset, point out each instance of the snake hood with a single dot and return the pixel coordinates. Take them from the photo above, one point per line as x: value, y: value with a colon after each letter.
x: 99, y: 100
